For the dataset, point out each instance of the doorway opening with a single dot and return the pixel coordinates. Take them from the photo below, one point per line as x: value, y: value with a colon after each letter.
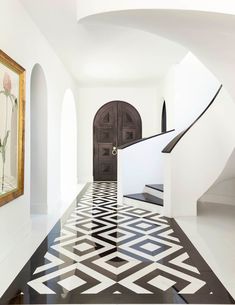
x: 164, y: 118
x: 115, y: 124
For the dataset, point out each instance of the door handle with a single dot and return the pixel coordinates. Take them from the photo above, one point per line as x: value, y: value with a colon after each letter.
x: 114, y: 151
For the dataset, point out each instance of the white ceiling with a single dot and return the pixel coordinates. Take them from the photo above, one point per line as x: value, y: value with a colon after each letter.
x: 101, y: 54
x: 209, y: 36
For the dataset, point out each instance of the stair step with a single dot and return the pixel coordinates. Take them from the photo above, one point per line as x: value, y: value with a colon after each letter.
x: 145, y: 197
x: 158, y: 187
x: 154, y: 190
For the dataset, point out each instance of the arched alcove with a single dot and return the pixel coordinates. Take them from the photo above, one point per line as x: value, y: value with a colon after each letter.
x: 38, y: 141
x: 68, y: 146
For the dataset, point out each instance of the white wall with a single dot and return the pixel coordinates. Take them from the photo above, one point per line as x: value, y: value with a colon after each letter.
x: 21, y: 40
x: 195, y: 87
x: 169, y: 91
x: 199, y: 158
x: 68, y: 146
x: 145, y: 100
x: 188, y: 88
x: 141, y: 164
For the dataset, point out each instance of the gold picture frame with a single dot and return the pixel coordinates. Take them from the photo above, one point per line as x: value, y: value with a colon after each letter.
x: 12, y: 133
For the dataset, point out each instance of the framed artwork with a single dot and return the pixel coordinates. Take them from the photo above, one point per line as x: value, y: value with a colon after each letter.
x: 12, y: 117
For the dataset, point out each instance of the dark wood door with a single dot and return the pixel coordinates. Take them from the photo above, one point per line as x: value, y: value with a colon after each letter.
x: 115, y: 124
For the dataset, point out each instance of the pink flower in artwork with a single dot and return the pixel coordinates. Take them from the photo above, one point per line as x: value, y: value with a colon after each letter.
x: 7, y: 82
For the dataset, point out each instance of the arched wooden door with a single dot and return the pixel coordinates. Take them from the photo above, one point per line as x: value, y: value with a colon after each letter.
x: 115, y: 124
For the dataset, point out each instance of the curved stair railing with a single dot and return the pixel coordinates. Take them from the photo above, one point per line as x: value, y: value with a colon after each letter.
x: 170, y: 146
x: 143, y: 139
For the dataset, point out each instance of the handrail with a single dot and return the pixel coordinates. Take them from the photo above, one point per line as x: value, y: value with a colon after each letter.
x: 168, y: 149
x: 142, y: 140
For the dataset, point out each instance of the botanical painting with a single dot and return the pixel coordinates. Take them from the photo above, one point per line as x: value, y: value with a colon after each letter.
x: 11, y: 129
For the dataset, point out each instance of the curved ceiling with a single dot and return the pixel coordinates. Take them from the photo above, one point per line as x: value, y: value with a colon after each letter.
x: 126, y: 47
x: 87, y: 8
x: 210, y: 36
x: 103, y: 54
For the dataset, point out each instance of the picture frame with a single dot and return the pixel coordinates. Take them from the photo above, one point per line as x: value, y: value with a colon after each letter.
x: 12, y: 129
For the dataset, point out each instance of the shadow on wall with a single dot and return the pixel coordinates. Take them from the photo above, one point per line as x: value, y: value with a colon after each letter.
x: 38, y: 141
x: 68, y: 146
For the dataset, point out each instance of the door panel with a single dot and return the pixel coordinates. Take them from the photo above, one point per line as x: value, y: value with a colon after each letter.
x: 129, y: 124
x: 105, y: 126
x: 116, y: 123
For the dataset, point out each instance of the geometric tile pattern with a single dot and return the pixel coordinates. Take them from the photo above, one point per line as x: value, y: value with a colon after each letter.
x: 109, y: 253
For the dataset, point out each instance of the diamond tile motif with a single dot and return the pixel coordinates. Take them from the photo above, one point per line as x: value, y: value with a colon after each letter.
x: 89, y: 225
x: 162, y: 282
x: 110, y: 253
x: 105, y: 263
x: 117, y: 235
x: 139, y: 212
x: 83, y: 247
x: 143, y: 226
x: 71, y: 282
x: 150, y: 247
x: 117, y: 260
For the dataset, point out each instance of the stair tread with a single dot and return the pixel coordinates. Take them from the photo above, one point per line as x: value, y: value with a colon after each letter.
x: 145, y: 197
x: 158, y: 187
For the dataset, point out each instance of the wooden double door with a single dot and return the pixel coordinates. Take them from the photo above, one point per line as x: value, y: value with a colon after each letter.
x: 115, y: 124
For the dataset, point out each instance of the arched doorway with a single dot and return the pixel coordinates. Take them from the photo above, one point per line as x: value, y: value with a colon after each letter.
x: 164, y: 118
x: 115, y: 124
x: 38, y: 141
x: 68, y: 144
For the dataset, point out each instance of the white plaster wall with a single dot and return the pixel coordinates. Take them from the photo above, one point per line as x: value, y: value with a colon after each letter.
x: 195, y: 87
x: 188, y: 88
x: 68, y: 147
x: 141, y: 164
x: 199, y: 158
x: 169, y: 88
x: 145, y: 100
x: 21, y: 40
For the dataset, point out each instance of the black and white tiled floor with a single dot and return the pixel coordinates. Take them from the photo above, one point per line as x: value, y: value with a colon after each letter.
x: 109, y: 254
